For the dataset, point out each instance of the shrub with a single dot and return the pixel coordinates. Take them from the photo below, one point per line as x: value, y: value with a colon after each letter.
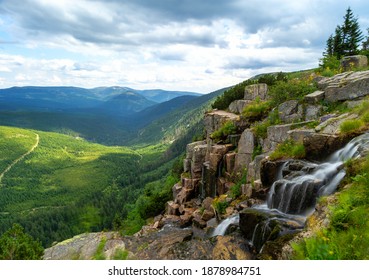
x: 257, y: 109
x: 294, y: 89
x: 235, y: 93
x: 288, y: 149
x: 349, y: 126
x: 220, y: 204
x: 228, y: 128
x: 236, y: 189
x: 330, y: 66
x: 15, y: 244
x: 260, y: 129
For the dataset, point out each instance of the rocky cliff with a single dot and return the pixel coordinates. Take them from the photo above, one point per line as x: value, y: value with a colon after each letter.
x: 229, y: 175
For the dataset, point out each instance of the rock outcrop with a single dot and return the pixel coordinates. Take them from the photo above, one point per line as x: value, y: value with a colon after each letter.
x: 354, y: 61
x: 345, y: 86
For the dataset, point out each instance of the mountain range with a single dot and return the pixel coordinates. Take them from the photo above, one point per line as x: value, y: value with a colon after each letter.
x: 108, y: 115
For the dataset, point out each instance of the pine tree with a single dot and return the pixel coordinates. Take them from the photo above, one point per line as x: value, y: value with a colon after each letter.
x: 346, y: 40
x: 337, y: 42
x: 351, y: 34
x: 366, y: 42
x: 329, y: 48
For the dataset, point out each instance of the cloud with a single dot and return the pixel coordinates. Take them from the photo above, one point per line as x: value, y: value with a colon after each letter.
x: 199, y: 44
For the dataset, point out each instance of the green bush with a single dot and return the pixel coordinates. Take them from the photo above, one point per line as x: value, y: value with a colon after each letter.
x: 235, y: 93
x: 260, y: 129
x: 228, y: 128
x: 220, y: 204
x: 15, y: 244
x: 257, y: 109
x: 271, y: 79
x: 293, y: 89
x: 330, y: 66
x: 236, y: 189
x: 349, y: 126
x: 288, y: 149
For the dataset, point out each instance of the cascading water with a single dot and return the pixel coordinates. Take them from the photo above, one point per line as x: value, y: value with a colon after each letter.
x: 293, y: 195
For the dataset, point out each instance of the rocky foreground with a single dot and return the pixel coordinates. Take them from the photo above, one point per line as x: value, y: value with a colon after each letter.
x: 212, y: 168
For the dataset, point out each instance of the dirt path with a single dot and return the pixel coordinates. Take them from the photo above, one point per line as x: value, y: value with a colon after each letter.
x: 20, y: 158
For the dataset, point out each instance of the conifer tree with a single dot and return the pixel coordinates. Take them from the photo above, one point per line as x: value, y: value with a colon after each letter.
x: 345, y: 41
x: 351, y: 34
x: 366, y: 42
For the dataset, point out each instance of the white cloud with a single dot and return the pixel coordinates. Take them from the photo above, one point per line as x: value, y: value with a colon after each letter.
x: 184, y: 45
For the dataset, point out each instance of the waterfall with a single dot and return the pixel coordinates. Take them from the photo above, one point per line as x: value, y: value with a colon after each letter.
x: 292, y: 197
x: 223, y: 226
x: 297, y: 194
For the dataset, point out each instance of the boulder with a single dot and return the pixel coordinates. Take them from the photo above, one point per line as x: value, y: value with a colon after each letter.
x: 332, y: 125
x: 185, y: 220
x: 257, y: 90
x: 230, y: 159
x: 259, y: 227
x: 354, y: 61
x: 312, y: 112
x: 207, y: 203
x: 246, y: 144
x: 315, y: 97
x: 185, y: 195
x: 238, y: 106
x: 253, y: 172
x: 318, y: 145
x: 298, y: 135
x: 290, y: 111
x: 276, y: 134
x: 221, y: 185
x: 231, y: 248
x: 242, y: 162
x: 190, y: 148
x: 270, y: 171
x: 207, y: 215
x: 215, y: 119
x: 346, y: 86
x: 84, y: 247
x: 172, y: 208
x: 198, y: 158
x: 176, y: 189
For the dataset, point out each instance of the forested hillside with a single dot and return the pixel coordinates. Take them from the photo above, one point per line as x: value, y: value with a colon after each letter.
x: 66, y: 185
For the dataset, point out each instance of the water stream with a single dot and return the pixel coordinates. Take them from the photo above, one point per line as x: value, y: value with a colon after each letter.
x: 293, y: 196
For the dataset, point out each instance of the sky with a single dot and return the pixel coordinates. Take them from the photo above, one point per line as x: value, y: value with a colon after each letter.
x: 188, y: 45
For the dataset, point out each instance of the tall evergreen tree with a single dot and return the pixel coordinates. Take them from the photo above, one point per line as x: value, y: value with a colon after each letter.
x: 351, y: 34
x: 345, y: 41
x: 337, y: 42
x: 366, y: 42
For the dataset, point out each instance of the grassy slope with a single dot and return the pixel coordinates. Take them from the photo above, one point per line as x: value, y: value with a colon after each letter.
x: 13, y: 143
x: 61, y: 172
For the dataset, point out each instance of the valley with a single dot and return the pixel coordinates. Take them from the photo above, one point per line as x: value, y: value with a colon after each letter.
x: 56, y: 183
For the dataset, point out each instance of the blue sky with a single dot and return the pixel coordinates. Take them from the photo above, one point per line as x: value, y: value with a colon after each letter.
x: 170, y: 44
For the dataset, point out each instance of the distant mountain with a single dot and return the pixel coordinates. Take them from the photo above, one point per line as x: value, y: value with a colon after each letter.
x: 109, y: 115
x: 156, y: 95
x: 176, y: 123
x: 125, y: 104
x: 157, y: 111
x: 159, y: 95
x: 47, y: 98
x: 62, y: 98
